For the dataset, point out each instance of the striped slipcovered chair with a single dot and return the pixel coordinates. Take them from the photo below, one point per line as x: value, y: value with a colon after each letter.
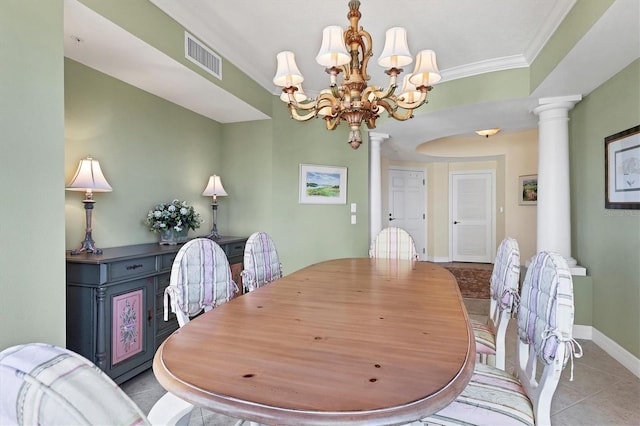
x: 48, y: 385
x: 261, y: 262
x: 505, y: 278
x: 393, y: 243
x: 200, y: 279
x: 545, y: 322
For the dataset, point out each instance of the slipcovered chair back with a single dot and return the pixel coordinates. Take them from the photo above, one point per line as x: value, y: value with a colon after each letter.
x: 261, y: 261
x: 393, y: 243
x: 45, y: 385
x: 504, y: 283
x: 545, y: 327
x: 200, y: 279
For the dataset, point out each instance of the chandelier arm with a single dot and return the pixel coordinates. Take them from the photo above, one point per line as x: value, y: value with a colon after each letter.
x: 413, y: 105
x: 296, y: 115
x: 380, y: 94
x: 393, y: 111
x: 332, y: 122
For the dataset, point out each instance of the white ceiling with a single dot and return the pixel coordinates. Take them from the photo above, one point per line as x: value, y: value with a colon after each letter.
x: 469, y: 36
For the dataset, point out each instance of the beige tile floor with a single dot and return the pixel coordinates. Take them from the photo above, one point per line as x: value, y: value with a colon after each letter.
x: 603, y: 392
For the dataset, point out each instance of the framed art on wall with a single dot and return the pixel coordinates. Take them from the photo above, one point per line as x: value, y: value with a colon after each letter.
x: 322, y: 184
x: 528, y: 187
x: 622, y: 169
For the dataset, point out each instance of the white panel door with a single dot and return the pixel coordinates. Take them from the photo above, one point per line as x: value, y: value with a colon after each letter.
x: 472, y: 217
x: 407, y: 205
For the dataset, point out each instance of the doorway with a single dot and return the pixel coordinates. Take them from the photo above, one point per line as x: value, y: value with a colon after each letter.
x: 407, y: 208
x: 472, y: 216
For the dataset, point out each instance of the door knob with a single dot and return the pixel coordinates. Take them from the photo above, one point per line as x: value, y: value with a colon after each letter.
x: 391, y: 218
x: 455, y: 222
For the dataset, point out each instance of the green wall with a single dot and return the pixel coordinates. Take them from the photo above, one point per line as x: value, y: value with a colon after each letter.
x: 150, y: 150
x: 32, y: 281
x: 606, y: 241
x: 312, y: 232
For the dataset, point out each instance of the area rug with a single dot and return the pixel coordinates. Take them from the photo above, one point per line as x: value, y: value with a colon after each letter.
x: 473, y: 282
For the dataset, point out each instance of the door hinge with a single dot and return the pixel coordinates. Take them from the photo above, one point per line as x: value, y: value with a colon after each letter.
x: 424, y: 216
x: 423, y: 182
x: 423, y: 250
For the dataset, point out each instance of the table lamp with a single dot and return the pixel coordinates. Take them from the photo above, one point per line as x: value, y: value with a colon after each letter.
x: 88, y: 178
x: 214, y: 189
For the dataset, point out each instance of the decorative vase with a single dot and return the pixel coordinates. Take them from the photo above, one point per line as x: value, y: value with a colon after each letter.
x: 172, y: 237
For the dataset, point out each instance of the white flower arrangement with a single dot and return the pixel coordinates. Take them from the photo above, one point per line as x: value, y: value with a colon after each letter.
x: 176, y: 215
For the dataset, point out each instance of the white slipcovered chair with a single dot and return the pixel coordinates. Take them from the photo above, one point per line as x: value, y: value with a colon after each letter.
x: 200, y: 280
x: 545, y: 321
x: 261, y: 261
x: 48, y: 385
x: 505, y: 279
x: 393, y: 243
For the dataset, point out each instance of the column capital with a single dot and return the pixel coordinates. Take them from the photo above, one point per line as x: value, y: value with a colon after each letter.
x: 378, y: 137
x: 559, y: 102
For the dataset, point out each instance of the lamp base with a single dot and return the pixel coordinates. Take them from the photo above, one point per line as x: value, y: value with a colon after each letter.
x: 214, y: 228
x: 88, y: 246
x: 213, y: 235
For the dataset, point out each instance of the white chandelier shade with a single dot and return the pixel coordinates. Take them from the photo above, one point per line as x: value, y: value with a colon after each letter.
x: 333, y: 52
x: 396, y: 50
x: 288, y: 73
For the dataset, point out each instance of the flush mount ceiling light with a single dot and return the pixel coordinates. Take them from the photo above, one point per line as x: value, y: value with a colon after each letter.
x: 487, y: 132
x: 354, y: 101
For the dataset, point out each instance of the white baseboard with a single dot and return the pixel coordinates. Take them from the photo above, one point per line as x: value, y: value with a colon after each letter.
x: 614, y: 350
x: 617, y: 352
x: 438, y: 259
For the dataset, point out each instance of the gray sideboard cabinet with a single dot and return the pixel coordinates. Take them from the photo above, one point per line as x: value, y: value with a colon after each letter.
x: 115, y: 303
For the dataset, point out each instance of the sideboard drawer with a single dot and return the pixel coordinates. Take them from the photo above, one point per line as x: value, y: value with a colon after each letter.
x: 166, y: 260
x: 131, y: 268
x: 235, y: 249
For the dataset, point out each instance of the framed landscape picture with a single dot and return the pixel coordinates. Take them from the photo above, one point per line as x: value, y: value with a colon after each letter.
x: 622, y: 169
x: 528, y: 187
x: 322, y: 184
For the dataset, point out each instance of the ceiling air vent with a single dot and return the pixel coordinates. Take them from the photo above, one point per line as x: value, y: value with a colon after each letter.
x: 202, y: 56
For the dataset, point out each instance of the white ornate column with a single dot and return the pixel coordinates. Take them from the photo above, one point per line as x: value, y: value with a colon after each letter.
x: 554, y: 196
x: 375, y: 184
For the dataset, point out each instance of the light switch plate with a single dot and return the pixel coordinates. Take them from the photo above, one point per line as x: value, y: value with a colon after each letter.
x: 353, y: 219
x: 353, y: 207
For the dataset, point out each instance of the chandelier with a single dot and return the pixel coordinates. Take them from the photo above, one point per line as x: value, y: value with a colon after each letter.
x: 354, y: 101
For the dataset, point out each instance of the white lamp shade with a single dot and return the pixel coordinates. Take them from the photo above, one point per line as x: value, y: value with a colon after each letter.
x: 409, y: 91
x: 396, y: 50
x: 298, y: 95
x: 333, y: 52
x: 89, y: 177
x: 287, y: 73
x: 214, y: 187
x: 426, y: 72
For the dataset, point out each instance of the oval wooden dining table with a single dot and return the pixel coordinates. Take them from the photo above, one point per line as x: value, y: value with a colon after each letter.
x: 345, y: 341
